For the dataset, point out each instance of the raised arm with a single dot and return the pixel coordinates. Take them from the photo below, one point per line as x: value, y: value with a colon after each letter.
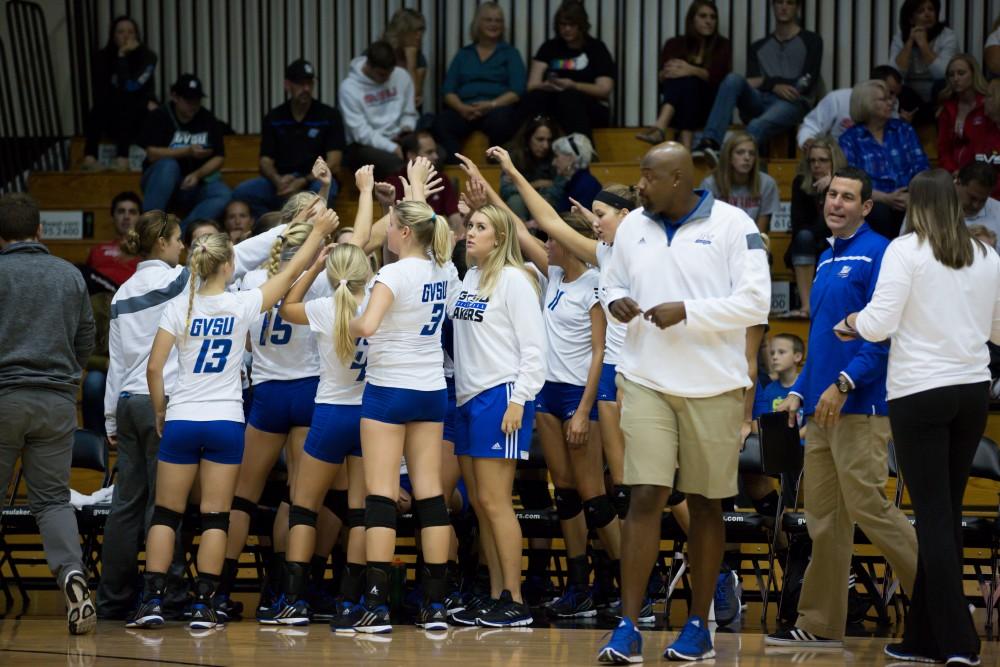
x: 292, y: 307
x: 323, y: 225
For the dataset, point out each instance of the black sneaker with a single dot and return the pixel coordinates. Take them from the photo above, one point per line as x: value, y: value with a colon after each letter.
x: 362, y: 619
x: 646, y: 614
x: 899, y: 651
x: 226, y: 608
x: 433, y: 616
x: 292, y: 612
x: 538, y: 591
x: 476, y: 608
x: 797, y: 637
x: 203, y: 616
x: 81, y: 616
x: 576, y: 602
x: 506, y: 614
x: 708, y: 149
x: 323, y: 605
x: 148, y: 615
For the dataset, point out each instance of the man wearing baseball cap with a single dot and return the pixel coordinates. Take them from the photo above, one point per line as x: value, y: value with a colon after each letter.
x: 184, y: 155
x: 294, y: 134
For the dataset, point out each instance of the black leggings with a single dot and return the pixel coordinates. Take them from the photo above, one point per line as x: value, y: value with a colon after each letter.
x: 936, y: 433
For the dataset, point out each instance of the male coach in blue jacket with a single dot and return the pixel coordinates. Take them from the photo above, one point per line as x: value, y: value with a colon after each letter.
x: 842, y: 388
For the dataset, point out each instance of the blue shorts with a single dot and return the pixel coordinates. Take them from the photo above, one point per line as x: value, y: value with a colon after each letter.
x: 561, y: 400
x: 186, y: 442
x: 280, y: 405
x: 478, y: 432
x: 335, y: 432
x: 606, y: 388
x: 402, y: 406
x: 452, y: 413
x: 404, y: 483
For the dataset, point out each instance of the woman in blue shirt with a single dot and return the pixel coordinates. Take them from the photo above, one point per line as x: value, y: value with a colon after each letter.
x: 484, y: 80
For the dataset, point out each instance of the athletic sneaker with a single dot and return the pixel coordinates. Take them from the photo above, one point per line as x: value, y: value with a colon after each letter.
x: 363, y: 619
x: 726, y: 600
x: 203, y: 616
x: 646, y: 614
x: 148, y: 615
x: 538, y: 591
x: 81, y: 616
x: 708, y: 149
x: 226, y: 608
x: 797, y: 637
x: 694, y: 643
x: 899, y: 651
x: 454, y: 602
x: 323, y: 605
x: 656, y: 589
x: 625, y: 646
x: 292, y: 612
x: 964, y: 659
x: 476, y: 608
x: 506, y: 614
x: 433, y: 616
x: 267, y: 607
x: 576, y: 602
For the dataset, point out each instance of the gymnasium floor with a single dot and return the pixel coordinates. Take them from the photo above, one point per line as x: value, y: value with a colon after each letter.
x: 41, y: 640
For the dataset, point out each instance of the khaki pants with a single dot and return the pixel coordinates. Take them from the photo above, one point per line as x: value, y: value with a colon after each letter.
x: 846, y: 468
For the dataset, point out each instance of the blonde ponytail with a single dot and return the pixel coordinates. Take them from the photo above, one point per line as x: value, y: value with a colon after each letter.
x: 286, y: 244
x: 348, y: 271
x: 430, y: 230
x: 208, y: 254
x: 442, y: 241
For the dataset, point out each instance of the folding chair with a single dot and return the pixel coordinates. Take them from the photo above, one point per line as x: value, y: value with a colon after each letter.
x: 981, y: 531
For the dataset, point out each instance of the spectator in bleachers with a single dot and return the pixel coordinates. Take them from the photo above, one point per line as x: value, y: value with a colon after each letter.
x: 964, y: 129
x: 123, y: 87
x: 571, y: 160
x: 842, y: 391
x: 531, y: 152
x: 887, y: 149
x: 692, y: 66
x: 197, y: 229
x: 571, y: 75
x: 991, y: 52
x: 937, y: 283
x: 809, y: 230
x: 293, y: 134
x: 445, y: 203
x: 184, y: 155
x: 920, y: 50
x: 738, y: 180
x: 974, y: 183
x: 108, y: 258
x: 376, y: 100
x: 832, y: 115
x: 780, y: 85
x: 984, y: 234
x: 237, y: 219
x: 405, y: 33
x: 46, y: 335
x: 484, y: 81
x: 785, y: 354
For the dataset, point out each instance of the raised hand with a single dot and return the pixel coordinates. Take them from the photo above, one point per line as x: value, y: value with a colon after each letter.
x: 364, y: 178
x: 385, y: 194
x: 502, y: 157
x: 321, y: 171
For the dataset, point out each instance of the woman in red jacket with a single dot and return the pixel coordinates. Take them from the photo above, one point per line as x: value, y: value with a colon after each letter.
x: 691, y: 67
x: 964, y: 129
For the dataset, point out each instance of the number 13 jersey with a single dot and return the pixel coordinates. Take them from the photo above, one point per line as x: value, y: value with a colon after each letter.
x: 405, y: 352
x: 210, y: 353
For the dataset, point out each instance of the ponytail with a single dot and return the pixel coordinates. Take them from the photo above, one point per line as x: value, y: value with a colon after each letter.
x: 430, y: 230
x: 348, y: 271
x: 208, y: 254
x: 441, y: 246
x: 151, y: 227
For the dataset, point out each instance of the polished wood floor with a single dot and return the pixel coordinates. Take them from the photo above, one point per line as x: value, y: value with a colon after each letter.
x: 40, y: 641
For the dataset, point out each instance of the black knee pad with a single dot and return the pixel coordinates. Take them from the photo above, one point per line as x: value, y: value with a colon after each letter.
x: 380, y: 512
x: 621, y: 499
x: 166, y: 517
x: 599, y: 512
x: 336, y: 502
x: 676, y: 498
x: 568, y: 504
x: 214, y: 521
x: 244, y: 505
x: 431, y: 512
x: 534, y: 494
x: 355, y: 518
x: 301, y: 516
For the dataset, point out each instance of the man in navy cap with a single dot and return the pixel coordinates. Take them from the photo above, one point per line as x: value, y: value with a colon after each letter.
x: 184, y: 155
x: 294, y: 135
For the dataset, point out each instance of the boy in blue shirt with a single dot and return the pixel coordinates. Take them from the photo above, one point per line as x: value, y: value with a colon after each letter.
x: 786, y: 352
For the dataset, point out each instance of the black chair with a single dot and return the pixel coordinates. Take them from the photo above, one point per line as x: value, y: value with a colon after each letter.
x: 981, y: 531
x: 90, y: 452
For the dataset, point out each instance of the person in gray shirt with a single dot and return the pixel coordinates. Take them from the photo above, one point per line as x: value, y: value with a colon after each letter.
x: 779, y: 88
x: 46, y: 335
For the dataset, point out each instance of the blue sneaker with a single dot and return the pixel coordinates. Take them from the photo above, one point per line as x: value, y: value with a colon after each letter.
x: 727, y: 597
x: 292, y: 612
x: 694, y: 643
x: 625, y: 646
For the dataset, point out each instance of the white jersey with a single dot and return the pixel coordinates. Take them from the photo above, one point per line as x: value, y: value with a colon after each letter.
x: 406, y: 352
x: 614, y: 338
x: 498, y: 339
x: 210, y: 354
x: 282, y: 350
x: 567, y: 325
x: 339, y: 383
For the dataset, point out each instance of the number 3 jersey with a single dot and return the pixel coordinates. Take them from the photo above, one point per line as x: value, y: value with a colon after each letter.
x: 210, y: 354
x: 405, y: 352
x: 282, y: 350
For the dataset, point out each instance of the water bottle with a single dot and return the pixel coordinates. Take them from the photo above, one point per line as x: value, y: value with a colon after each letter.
x: 802, y: 85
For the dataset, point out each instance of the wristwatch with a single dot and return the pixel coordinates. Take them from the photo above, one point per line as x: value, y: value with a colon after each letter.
x: 843, y: 384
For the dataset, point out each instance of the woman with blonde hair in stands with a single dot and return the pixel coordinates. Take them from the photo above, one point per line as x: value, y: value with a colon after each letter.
x: 964, y: 129
x: 202, y: 428
x: 739, y: 180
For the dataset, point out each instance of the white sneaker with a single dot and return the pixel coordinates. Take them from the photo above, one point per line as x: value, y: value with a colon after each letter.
x: 81, y: 616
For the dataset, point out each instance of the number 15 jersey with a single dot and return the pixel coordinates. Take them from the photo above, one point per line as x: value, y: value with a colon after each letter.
x: 405, y: 352
x: 210, y: 354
